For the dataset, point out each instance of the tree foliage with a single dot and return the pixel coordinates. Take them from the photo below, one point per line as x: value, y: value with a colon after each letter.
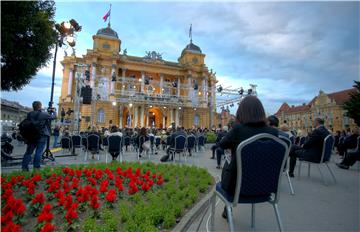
x: 353, y: 104
x: 27, y: 36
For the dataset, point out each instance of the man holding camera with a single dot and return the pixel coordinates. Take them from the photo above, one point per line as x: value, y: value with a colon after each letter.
x: 40, y: 133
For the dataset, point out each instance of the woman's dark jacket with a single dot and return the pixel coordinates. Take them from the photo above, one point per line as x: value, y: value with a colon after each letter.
x: 234, y: 137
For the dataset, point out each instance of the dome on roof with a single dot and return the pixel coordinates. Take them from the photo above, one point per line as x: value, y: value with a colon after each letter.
x: 192, y: 48
x: 107, y: 32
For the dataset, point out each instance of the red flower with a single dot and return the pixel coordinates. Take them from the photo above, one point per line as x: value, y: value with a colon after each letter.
x: 36, y: 178
x: 45, y: 217
x: 70, y: 215
x: 103, y: 186
x: 145, y: 187
x: 91, y: 180
x: 48, y: 227
x: 111, y: 196
x: 19, y: 207
x: 119, y: 171
x: 160, y: 180
x: 11, y: 227
x: 78, y: 173
x: 94, y: 202
x: 154, y: 176
x: 137, y: 172
x: 39, y: 198
x: 7, y: 218
x: 7, y: 194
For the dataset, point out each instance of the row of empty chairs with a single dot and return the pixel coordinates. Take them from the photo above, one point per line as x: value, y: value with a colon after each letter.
x: 116, y: 144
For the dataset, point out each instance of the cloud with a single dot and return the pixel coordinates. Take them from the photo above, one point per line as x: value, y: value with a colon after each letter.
x: 291, y: 50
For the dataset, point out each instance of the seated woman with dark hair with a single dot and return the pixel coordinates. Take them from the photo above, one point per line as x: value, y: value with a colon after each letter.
x: 114, y: 131
x: 250, y: 121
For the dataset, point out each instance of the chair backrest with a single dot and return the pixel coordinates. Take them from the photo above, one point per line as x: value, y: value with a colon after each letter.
x: 93, y: 142
x: 292, y: 139
x: 157, y: 141
x: 84, y: 141
x: 191, y: 141
x: 65, y: 142
x: 114, y: 143
x: 302, y: 140
x: 260, y: 161
x: 168, y: 139
x: 328, y: 146
x: 76, y: 140
x: 180, y: 142
x: 142, y: 140
x: 105, y: 141
x: 201, y: 140
x: 127, y: 140
x: 286, y: 140
x: 152, y: 139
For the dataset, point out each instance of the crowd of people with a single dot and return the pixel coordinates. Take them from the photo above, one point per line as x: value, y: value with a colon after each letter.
x: 250, y: 120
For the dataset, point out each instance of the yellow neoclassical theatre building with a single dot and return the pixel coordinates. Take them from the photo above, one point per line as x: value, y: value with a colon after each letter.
x: 131, y: 91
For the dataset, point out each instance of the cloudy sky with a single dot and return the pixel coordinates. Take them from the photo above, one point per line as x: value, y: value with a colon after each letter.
x: 290, y: 50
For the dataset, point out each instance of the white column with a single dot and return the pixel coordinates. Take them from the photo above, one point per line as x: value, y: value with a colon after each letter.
x: 164, y: 126
x: 206, y: 89
x: 142, y: 81
x: 203, y: 89
x: 177, y: 117
x: 178, y: 87
x: 161, y: 83
x: 136, y: 108
x: 147, y: 119
x: 190, y: 87
x: 142, y: 116
x: 121, y: 116
x: 171, y: 115
x: 213, y: 102
x: 70, y: 81
x: 93, y: 75
x: 123, y: 80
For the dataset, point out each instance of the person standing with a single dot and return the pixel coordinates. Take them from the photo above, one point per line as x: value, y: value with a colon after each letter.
x: 41, y: 120
x: 56, y: 133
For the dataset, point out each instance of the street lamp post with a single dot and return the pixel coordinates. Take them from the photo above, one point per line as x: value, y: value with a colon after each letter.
x: 65, y: 30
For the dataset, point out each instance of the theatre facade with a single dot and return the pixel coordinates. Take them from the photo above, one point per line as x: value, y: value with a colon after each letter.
x: 132, y: 91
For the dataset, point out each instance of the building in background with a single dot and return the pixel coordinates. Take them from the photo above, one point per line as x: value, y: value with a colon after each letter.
x: 131, y: 91
x: 12, y: 113
x: 327, y: 106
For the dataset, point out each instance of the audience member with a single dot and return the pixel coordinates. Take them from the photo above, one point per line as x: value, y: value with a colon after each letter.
x: 312, y: 148
x: 219, y: 135
x: 250, y: 121
x: 219, y: 151
x: 350, y: 142
x: 56, y: 133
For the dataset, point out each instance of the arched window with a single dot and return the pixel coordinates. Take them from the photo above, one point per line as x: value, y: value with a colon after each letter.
x: 197, y: 120
x: 101, y: 116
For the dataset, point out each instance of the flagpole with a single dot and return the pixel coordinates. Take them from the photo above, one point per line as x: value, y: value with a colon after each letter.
x: 110, y: 16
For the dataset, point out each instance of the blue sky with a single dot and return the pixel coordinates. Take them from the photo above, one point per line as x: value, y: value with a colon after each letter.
x: 290, y: 50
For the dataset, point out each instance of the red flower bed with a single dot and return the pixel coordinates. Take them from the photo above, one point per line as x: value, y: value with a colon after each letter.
x: 62, y: 197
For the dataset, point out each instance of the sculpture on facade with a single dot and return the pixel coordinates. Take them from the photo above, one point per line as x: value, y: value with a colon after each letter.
x: 153, y: 56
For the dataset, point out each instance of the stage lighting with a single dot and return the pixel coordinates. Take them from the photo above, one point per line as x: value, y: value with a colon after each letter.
x: 249, y: 91
x: 220, y: 89
x: 241, y: 91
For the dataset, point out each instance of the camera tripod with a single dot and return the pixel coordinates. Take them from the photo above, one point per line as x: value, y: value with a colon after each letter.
x: 47, y: 154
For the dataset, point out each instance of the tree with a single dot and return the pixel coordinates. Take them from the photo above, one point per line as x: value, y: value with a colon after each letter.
x: 353, y: 104
x: 27, y: 36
